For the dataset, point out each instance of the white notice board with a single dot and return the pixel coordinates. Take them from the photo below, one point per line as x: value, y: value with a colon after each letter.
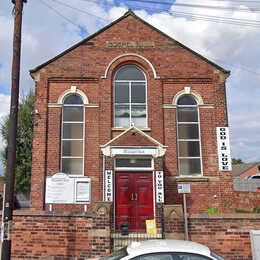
x: 61, y: 189
x: 255, y: 243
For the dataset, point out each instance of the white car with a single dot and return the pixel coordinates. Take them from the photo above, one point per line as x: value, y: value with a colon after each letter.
x: 164, y: 250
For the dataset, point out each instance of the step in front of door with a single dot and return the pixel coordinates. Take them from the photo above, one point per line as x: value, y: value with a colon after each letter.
x: 118, y: 240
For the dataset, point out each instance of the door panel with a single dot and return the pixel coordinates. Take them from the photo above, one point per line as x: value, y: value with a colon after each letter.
x: 134, y: 199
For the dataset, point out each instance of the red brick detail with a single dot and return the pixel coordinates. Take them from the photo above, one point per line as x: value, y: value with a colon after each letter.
x: 60, y: 236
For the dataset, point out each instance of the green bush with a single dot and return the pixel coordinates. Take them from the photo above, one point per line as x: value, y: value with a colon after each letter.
x: 256, y: 209
x: 212, y: 211
x: 242, y: 211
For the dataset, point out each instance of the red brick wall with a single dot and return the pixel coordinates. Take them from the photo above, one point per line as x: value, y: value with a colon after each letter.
x: 246, y: 200
x: 62, y: 236
x: 41, y: 234
x: 227, y: 234
x: 176, y: 67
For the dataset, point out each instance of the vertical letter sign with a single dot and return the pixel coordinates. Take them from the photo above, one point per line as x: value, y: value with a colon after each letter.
x: 159, y: 187
x: 108, y: 185
x: 224, y: 156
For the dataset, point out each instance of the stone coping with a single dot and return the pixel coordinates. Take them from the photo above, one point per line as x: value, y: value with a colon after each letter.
x: 42, y: 213
x: 225, y: 216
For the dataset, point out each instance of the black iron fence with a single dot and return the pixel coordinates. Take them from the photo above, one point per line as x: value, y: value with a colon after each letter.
x: 125, y: 229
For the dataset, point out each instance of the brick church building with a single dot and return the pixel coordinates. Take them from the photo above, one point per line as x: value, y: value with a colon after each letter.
x: 123, y: 117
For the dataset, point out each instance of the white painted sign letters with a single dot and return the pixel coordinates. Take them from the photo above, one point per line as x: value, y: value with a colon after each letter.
x: 159, y: 187
x: 224, y: 156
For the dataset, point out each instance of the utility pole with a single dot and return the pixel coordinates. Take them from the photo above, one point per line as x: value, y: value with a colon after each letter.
x: 11, y: 154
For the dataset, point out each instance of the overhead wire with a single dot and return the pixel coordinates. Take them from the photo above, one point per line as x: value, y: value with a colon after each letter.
x: 217, y: 19
x: 189, y: 15
x: 60, y: 14
x: 227, y: 8
x: 79, y: 10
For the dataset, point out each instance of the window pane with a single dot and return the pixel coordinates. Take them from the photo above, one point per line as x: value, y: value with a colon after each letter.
x: 121, y: 92
x: 189, y: 166
x: 134, y: 162
x: 122, y: 115
x: 188, y: 131
x: 186, y: 100
x: 139, y: 115
x: 138, y: 92
x: 73, y: 99
x: 72, y: 166
x: 73, y: 113
x: 189, y: 148
x: 156, y: 256
x: 72, y: 131
x: 72, y: 148
x: 129, y: 72
x: 187, y: 114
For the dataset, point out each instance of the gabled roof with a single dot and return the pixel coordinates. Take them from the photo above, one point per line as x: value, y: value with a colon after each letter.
x: 128, y: 13
x: 238, y: 169
x: 160, y: 149
x: 134, y: 129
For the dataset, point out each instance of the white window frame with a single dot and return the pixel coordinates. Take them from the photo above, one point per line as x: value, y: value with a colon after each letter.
x: 189, y: 140
x: 134, y: 168
x: 130, y: 103
x: 65, y: 139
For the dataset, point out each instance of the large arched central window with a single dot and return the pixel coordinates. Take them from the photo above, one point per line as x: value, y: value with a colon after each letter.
x: 189, y: 151
x: 72, y: 142
x: 130, y: 104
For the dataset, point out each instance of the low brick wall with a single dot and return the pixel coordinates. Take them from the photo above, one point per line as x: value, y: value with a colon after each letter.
x: 226, y: 234
x: 246, y: 200
x: 53, y: 235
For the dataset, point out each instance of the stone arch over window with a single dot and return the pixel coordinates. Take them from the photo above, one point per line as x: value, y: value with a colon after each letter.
x: 73, y: 90
x: 72, y: 135
x: 188, y: 133
x: 133, y: 55
x: 188, y: 91
x: 130, y: 97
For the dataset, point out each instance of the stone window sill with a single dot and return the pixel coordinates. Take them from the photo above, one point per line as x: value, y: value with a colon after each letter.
x: 123, y: 129
x: 192, y: 178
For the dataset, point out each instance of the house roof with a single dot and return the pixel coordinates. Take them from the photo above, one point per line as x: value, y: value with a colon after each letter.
x: 128, y: 13
x: 238, y: 169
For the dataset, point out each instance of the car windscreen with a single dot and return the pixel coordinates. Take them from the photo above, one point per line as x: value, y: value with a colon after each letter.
x: 116, y: 255
x: 218, y: 257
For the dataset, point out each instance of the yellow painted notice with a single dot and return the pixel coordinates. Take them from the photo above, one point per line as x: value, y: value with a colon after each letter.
x: 151, y: 227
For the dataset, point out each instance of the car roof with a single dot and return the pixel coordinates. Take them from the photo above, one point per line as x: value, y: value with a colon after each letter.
x: 152, y: 246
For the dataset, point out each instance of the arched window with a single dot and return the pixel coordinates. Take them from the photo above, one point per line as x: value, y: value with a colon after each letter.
x: 130, y: 104
x: 72, y: 142
x: 189, y: 150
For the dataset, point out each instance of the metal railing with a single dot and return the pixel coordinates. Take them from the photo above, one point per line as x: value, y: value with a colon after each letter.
x: 125, y: 230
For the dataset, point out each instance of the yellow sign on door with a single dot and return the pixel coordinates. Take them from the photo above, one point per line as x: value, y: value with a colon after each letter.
x: 151, y: 227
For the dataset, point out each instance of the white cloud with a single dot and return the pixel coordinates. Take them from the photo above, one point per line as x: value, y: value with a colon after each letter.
x: 45, y: 34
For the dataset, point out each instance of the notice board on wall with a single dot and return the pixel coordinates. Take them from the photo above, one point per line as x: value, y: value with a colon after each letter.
x: 62, y: 189
x: 255, y: 243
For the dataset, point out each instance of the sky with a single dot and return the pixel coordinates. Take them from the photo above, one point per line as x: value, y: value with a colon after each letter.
x: 51, y: 26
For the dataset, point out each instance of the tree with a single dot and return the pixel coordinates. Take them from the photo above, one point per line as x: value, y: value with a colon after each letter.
x: 237, y: 161
x: 23, y: 143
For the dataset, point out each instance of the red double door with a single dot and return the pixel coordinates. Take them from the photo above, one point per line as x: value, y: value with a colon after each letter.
x: 134, y: 199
